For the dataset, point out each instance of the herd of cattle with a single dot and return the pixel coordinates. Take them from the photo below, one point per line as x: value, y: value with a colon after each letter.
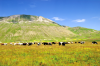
x: 47, y: 43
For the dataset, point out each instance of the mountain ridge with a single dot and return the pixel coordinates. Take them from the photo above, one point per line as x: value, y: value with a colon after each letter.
x: 35, y: 28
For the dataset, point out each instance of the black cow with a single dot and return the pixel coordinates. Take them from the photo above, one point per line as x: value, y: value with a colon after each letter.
x: 25, y: 43
x: 47, y: 43
x: 30, y: 44
x: 94, y: 42
x: 75, y: 42
x: 60, y: 43
x: 79, y: 42
x: 63, y: 44
x: 53, y: 43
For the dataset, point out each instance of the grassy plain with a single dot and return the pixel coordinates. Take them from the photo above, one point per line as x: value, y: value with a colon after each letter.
x: 87, y: 54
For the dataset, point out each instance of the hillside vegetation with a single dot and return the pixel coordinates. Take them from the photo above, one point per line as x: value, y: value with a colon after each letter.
x: 85, y: 33
x: 25, y: 32
x: 25, y: 28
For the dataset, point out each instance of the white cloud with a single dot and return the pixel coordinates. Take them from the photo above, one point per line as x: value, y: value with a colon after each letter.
x: 57, y: 18
x: 79, y: 20
x: 32, y: 6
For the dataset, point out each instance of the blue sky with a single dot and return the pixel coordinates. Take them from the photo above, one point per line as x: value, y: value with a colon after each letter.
x: 72, y: 13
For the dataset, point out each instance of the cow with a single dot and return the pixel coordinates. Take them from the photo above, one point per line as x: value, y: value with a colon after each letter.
x: 82, y: 42
x: 94, y: 42
x: 3, y: 43
x: 16, y: 44
x: 63, y: 44
x: 25, y: 44
x: 20, y: 43
x: 49, y: 43
x: 45, y: 43
x: 53, y: 42
x: 79, y: 42
x: 30, y: 44
x: 35, y: 42
x: 75, y: 42
x: 11, y: 43
x: 39, y: 44
x: 60, y: 43
x: 71, y: 42
x: 67, y: 42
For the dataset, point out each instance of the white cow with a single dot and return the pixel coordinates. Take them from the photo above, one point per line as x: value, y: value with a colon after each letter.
x: 11, y: 43
x: 20, y: 43
x: 16, y: 44
x: 71, y: 42
x: 38, y: 44
x: 5, y: 43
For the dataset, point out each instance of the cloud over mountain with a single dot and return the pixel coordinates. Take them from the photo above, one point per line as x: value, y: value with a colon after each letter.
x: 79, y: 20
x: 57, y: 18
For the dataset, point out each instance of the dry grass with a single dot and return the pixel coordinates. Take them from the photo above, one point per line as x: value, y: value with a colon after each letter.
x: 87, y: 54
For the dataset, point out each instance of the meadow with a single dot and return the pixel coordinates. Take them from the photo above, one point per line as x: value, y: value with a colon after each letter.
x: 87, y: 54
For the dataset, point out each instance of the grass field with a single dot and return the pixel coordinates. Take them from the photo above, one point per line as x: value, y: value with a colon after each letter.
x: 87, y: 54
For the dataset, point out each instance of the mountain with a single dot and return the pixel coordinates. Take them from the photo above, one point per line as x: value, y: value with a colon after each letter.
x: 27, y: 28
x: 24, y: 18
x: 85, y: 33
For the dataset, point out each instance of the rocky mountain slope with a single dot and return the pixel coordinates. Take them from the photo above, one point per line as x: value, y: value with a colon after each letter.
x: 29, y: 28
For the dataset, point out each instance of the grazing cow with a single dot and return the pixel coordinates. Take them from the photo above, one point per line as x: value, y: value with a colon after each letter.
x: 38, y: 44
x: 30, y: 44
x: 60, y: 43
x: 82, y: 42
x: 16, y: 44
x: 71, y: 42
x: 49, y: 43
x: 3, y: 43
x: 45, y: 43
x: 20, y: 43
x: 11, y: 43
x: 67, y: 42
x: 25, y: 44
x: 35, y: 42
x: 75, y: 42
x: 53, y: 42
x: 94, y: 42
x: 63, y: 44
x: 79, y: 42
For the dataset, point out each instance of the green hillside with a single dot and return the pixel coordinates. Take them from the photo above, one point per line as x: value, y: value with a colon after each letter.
x: 36, y: 31
x: 85, y: 33
x: 25, y: 28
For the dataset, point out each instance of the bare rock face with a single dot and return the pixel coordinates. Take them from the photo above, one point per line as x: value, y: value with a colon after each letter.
x: 14, y: 16
x: 42, y: 19
x: 24, y: 18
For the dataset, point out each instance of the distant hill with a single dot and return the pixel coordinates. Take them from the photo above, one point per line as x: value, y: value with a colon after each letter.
x: 85, y: 32
x: 27, y: 28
